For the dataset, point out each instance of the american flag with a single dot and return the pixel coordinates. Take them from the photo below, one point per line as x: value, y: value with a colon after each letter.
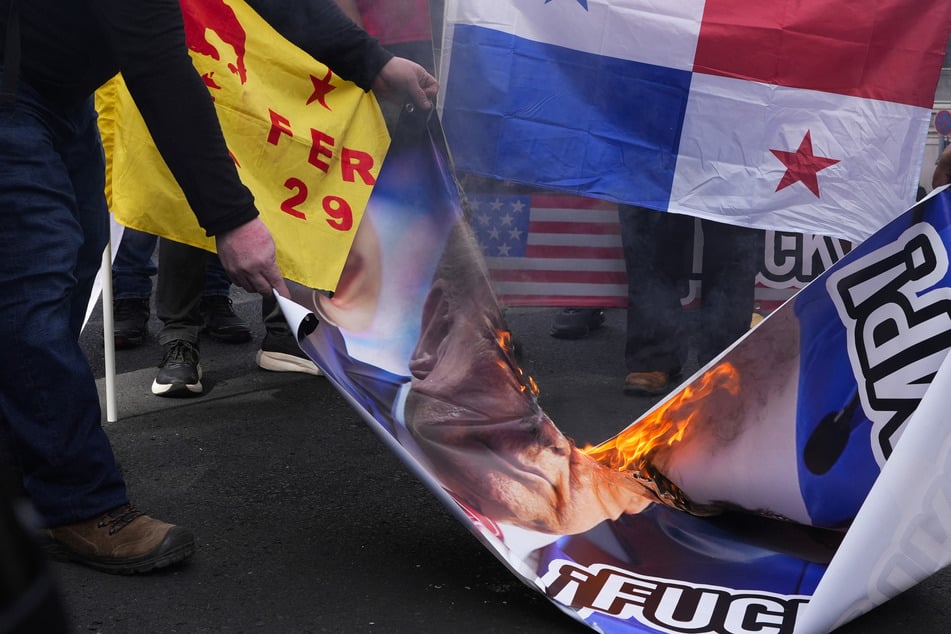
x: 550, y: 249
x: 563, y: 250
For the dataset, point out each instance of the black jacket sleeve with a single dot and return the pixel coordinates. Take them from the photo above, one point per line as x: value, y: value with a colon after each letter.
x: 323, y: 31
x: 147, y: 38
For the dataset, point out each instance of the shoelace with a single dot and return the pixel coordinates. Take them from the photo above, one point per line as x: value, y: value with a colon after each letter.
x: 180, y: 352
x: 119, y: 518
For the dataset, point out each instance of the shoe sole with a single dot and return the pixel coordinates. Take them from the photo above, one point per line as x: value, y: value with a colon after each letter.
x: 178, y: 545
x: 282, y: 362
x: 178, y: 389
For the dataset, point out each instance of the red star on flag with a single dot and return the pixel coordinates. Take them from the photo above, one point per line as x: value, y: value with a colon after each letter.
x: 322, y: 88
x: 802, y: 165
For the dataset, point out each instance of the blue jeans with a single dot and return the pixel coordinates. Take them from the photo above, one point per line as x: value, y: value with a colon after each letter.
x: 133, y: 268
x: 53, y: 229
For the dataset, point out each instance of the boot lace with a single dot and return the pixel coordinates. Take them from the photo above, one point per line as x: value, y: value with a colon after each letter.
x: 119, y: 518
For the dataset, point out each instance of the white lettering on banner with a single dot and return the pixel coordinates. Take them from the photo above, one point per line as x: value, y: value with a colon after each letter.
x: 924, y: 540
x: 919, y: 546
x: 899, y: 331
x: 670, y: 605
x: 795, y: 259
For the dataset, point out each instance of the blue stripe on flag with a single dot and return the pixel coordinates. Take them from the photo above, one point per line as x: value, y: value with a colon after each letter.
x: 563, y: 119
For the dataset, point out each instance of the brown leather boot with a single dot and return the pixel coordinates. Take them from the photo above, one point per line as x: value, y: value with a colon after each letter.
x: 123, y: 541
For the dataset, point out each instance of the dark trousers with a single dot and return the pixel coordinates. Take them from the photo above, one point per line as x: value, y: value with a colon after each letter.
x: 133, y: 268
x: 53, y: 229
x: 657, y: 253
x: 178, y: 293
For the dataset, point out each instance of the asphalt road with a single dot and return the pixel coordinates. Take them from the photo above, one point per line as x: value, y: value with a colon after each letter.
x: 306, y: 522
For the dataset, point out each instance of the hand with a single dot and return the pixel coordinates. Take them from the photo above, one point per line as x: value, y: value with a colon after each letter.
x: 401, y: 79
x: 248, y: 255
x: 942, y: 171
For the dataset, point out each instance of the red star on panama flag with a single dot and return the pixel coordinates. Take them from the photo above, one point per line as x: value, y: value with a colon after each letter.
x: 321, y: 88
x: 802, y: 165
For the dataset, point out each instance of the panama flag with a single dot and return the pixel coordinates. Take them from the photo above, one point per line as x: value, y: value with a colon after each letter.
x: 796, y: 115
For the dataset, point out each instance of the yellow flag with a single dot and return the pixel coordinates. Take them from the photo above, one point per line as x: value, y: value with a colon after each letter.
x: 307, y: 144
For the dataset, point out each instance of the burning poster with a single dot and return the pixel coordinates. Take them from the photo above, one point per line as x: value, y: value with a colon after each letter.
x: 720, y: 510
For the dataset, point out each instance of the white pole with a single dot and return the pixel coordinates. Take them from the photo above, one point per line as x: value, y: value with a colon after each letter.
x: 109, y: 340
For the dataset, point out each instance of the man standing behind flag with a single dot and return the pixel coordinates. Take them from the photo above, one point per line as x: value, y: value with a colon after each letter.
x: 53, y: 228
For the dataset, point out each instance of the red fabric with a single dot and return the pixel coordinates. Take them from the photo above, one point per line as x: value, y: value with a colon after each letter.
x: 396, y: 21
x: 870, y: 49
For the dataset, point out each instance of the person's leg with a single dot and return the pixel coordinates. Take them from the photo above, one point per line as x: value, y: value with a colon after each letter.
x: 217, y: 281
x: 133, y: 266
x: 178, y: 291
x: 46, y: 268
x: 657, y: 258
x: 218, y: 317
x: 132, y: 272
x: 181, y: 282
x: 732, y: 256
x: 53, y: 228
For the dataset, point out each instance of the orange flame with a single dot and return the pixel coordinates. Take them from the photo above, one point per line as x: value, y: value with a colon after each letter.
x: 504, y: 340
x: 664, y: 426
x: 532, y: 385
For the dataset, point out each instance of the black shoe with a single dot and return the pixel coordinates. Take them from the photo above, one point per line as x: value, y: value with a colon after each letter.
x: 280, y: 353
x: 131, y: 322
x: 180, y: 371
x: 575, y: 323
x: 221, y: 322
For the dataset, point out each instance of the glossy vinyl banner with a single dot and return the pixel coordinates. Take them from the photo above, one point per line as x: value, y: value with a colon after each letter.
x: 738, y: 504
